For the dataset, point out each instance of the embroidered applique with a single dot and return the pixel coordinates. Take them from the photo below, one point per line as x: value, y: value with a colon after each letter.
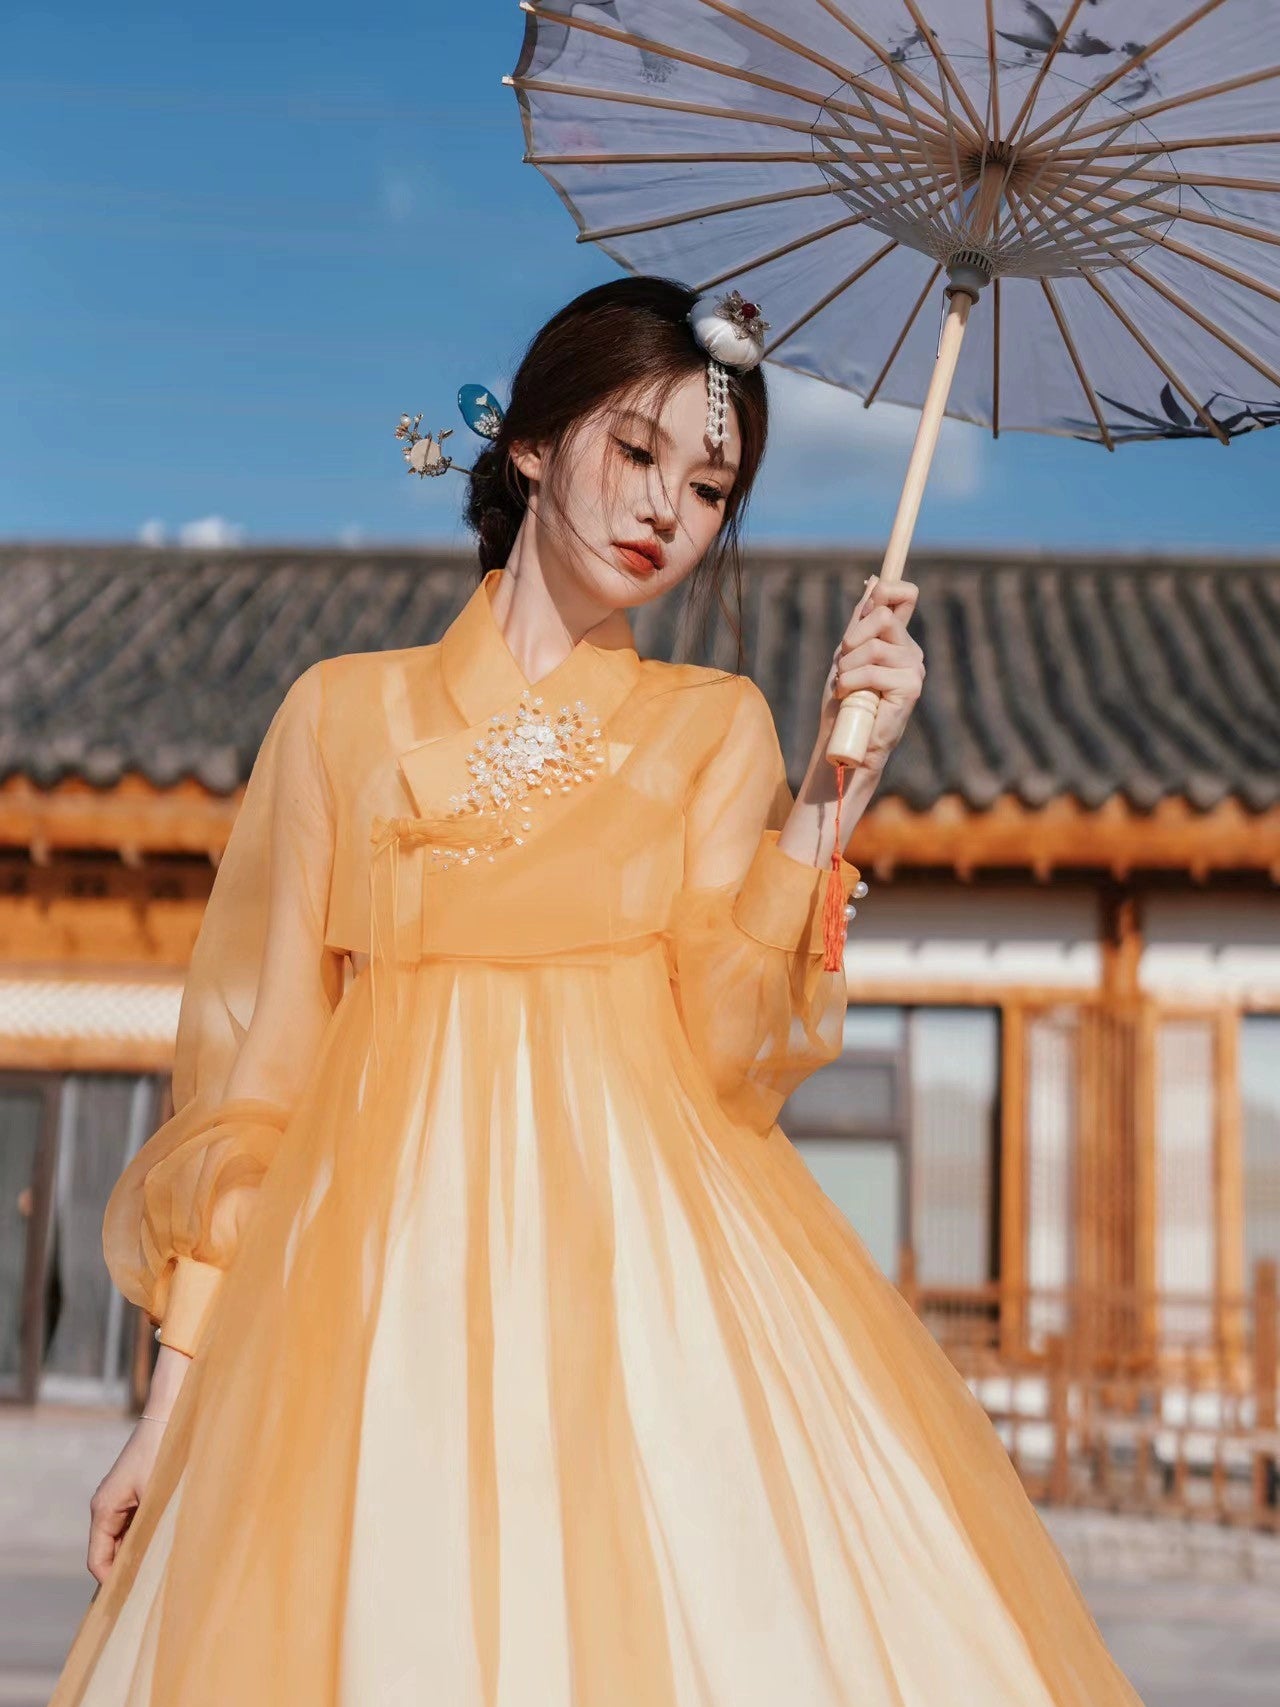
x: 519, y: 756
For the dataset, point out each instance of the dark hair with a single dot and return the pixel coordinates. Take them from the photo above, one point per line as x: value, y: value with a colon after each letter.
x: 631, y: 332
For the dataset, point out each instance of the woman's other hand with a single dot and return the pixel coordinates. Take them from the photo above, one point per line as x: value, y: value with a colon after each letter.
x: 119, y: 1493
x: 876, y: 652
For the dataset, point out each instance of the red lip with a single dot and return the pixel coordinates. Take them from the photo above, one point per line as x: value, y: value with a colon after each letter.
x: 643, y: 548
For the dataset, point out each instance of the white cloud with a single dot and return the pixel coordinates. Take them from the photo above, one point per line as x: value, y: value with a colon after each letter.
x: 351, y: 537
x: 152, y: 532
x: 210, y: 533
x: 398, y: 195
x: 821, y: 436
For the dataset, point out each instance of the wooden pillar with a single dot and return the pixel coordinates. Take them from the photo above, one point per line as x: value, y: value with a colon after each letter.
x: 1013, y: 1153
x: 1228, y: 1174
x: 1113, y: 1231
x: 1121, y: 939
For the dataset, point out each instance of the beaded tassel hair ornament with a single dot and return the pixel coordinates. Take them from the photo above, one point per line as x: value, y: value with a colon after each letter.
x: 731, y: 331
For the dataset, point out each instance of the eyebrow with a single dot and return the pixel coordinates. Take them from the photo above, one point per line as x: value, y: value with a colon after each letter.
x: 648, y: 421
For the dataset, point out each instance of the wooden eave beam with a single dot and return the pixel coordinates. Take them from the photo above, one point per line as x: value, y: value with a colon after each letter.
x: 135, y: 819
x: 1064, y: 835
x: 132, y: 819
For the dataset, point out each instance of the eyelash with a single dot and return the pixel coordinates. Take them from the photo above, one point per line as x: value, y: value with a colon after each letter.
x: 635, y: 452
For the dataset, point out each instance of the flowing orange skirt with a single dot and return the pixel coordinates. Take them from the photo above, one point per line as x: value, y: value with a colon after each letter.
x: 538, y: 1382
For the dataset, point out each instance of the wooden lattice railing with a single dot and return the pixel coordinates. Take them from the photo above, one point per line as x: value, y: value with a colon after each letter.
x: 1122, y: 1398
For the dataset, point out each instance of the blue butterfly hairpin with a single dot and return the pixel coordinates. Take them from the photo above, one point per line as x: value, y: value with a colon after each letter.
x: 424, y: 452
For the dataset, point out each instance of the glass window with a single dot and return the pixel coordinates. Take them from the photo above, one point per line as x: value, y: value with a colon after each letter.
x: 900, y: 1134
x: 1260, y: 1099
x: 955, y: 1089
x: 21, y: 1121
x: 102, y: 1119
x: 1052, y: 1056
x: 1185, y: 1198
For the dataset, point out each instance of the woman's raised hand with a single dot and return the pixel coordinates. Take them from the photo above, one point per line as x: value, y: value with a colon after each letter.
x: 876, y: 652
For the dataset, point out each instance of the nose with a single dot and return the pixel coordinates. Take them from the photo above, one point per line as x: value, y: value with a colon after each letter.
x: 659, y: 510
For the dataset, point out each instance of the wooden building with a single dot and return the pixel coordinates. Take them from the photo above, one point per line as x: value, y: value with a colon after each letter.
x: 1062, y: 1066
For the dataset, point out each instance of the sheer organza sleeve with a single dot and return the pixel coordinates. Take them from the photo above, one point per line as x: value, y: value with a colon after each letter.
x: 259, y: 993
x: 758, y: 1007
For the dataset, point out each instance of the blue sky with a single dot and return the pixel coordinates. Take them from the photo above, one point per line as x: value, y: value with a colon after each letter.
x: 239, y: 240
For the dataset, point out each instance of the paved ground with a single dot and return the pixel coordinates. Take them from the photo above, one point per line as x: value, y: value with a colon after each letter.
x: 1192, y: 1614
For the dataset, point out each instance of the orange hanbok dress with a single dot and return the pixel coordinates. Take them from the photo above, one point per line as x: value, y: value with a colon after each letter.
x: 532, y: 1368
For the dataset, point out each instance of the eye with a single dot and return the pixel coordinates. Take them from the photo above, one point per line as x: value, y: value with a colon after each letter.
x: 637, y: 453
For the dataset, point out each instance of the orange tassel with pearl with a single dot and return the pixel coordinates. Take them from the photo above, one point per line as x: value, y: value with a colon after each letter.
x: 834, y: 926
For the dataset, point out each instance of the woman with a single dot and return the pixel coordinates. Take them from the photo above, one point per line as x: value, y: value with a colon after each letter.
x: 510, y: 1354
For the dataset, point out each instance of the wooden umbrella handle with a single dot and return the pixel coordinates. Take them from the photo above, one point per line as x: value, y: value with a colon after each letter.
x: 857, y: 713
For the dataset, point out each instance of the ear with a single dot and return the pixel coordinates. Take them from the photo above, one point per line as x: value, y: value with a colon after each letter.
x: 528, y: 459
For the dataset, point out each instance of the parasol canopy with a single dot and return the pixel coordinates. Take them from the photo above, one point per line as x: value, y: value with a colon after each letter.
x: 1103, y: 169
x: 1114, y: 165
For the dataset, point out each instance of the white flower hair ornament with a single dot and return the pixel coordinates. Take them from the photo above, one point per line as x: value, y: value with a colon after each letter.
x: 424, y: 452
x: 731, y: 331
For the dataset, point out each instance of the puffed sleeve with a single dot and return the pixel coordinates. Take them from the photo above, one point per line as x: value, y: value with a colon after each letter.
x: 259, y: 993
x: 759, y: 1009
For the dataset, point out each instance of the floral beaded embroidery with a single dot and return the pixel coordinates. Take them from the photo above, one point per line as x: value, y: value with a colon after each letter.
x: 515, y: 758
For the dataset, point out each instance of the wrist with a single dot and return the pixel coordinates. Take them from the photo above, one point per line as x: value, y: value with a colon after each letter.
x: 166, y: 1379
x: 818, y: 788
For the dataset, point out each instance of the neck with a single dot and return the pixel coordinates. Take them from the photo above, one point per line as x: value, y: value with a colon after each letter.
x: 542, y: 614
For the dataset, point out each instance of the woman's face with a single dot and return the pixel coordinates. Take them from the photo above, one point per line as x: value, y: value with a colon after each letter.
x: 634, y: 477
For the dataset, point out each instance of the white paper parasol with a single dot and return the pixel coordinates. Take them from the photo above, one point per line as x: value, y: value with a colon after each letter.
x: 1101, y: 176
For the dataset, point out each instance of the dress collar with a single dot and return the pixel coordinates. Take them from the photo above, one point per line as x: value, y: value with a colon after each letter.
x: 483, y: 677
x: 483, y: 680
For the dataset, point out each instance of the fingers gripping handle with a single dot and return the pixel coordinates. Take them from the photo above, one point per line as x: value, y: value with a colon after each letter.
x: 857, y: 714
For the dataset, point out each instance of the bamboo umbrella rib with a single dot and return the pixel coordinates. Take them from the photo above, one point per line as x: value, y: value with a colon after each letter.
x: 861, y: 84
x: 1211, y: 327
x: 1203, y: 180
x: 741, y: 268
x: 1197, y: 216
x: 1061, y: 321
x: 946, y: 71
x: 630, y: 98
x: 870, y: 398
x: 1101, y: 210
x: 735, y: 74
x: 1176, y: 144
x: 954, y: 215
x: 792, y: 244
x: 874, y: 203
x: 835, y: 291
x: 664, y: 220
x: 1052, y: 238
x: 1046, y: 159
x: 869, y: 41
x: 993, y: 74
x: 1151, y: 350
x: 1201, y: 320
x: 1198, y: 256
x: 1189, y: 98
x: 1130, y: 64
x: 938, y: 190
x: 689, y: 157
x: 1140, y: 337
x: 1103, y: 205
x: 1029, y: 99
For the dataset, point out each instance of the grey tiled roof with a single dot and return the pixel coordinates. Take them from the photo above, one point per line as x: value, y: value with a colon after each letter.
x: 1047, y: 676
